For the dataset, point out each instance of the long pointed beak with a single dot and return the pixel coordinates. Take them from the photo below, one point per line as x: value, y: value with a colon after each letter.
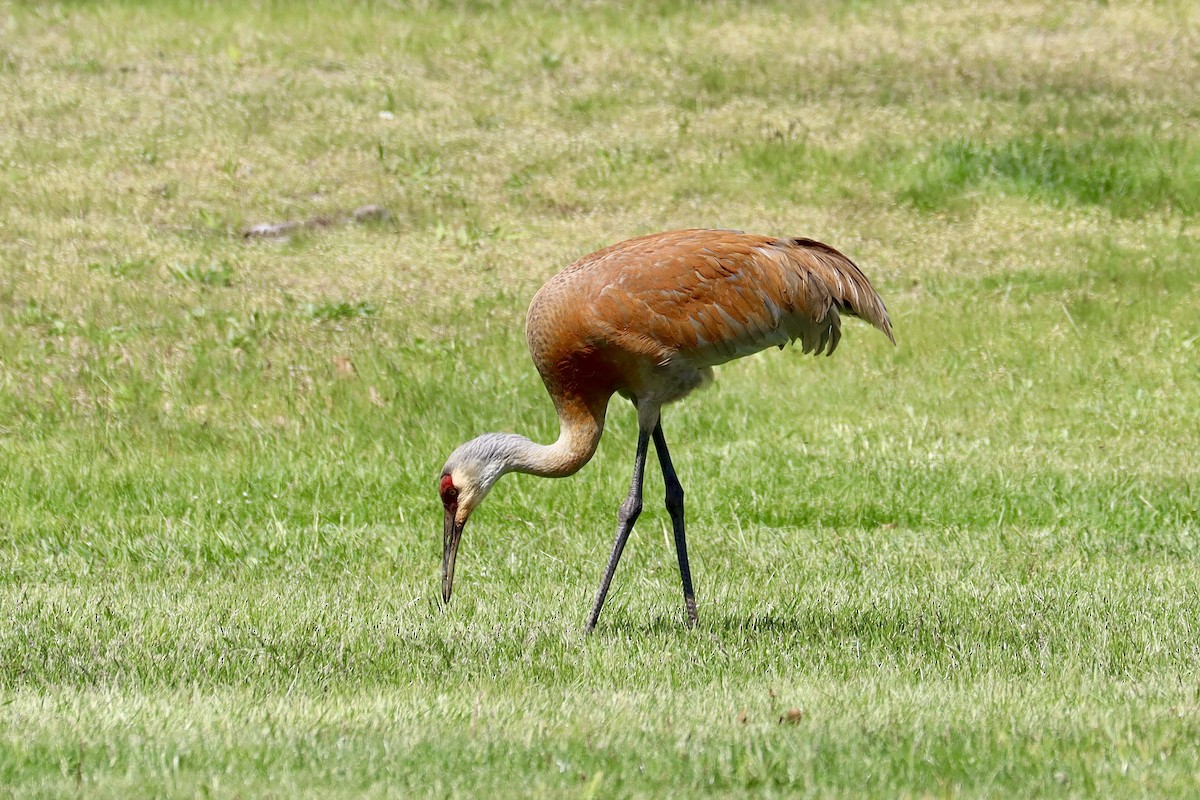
x: 450, y: 539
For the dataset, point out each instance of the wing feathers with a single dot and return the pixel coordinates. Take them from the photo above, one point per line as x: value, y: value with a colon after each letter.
x: 711, y: 296
x: 850, y: 290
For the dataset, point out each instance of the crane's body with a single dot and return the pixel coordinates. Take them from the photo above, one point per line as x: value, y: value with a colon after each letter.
x: 648, y: 319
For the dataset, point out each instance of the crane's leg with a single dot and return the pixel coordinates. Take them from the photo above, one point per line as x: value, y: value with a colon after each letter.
x: 675, y: 509
x: 625, y: 519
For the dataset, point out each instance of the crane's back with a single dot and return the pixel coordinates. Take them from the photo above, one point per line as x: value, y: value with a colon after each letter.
x: 657, y: 311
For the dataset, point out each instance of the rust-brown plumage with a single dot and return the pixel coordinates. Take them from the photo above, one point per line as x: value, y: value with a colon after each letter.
x: 648, y: 318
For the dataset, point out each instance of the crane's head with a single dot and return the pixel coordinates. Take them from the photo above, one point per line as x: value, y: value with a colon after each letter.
x: 468, y: 476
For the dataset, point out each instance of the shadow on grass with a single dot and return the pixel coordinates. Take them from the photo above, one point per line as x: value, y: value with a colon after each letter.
x: 880, y: 634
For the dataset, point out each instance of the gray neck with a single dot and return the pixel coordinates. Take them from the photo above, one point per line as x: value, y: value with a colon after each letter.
x: 511, y: 452
x: 498, y: 453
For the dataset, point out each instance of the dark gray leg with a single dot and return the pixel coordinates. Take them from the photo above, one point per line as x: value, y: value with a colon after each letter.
x: 625, y: 519
x: 675, y: 509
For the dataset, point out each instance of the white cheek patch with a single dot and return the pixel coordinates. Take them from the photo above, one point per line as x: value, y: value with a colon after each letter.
x: 473, y: 482
x: 465, y: 481
x: 468, y: 492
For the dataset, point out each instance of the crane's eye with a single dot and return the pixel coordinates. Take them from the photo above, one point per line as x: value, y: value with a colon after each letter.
x: 448, y: 490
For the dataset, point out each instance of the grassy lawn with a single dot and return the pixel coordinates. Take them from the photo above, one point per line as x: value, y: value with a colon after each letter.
x: 969, y: 563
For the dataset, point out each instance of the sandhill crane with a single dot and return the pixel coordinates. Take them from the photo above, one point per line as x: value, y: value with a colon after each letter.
x: 648, y: 319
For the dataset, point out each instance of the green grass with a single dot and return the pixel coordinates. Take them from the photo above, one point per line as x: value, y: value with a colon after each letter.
x: 1129, y: 174
x: 969, y: 561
